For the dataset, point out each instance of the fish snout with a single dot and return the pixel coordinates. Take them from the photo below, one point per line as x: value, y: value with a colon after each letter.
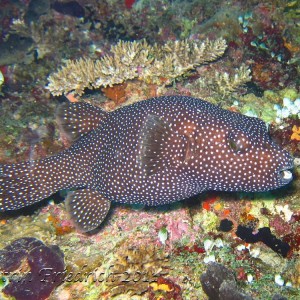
x: 285, y: 174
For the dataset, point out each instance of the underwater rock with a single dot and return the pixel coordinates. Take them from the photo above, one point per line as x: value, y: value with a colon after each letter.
x: 228, y: 291
x: 211, y: 280
x: 71, y: 8
x: 219, y: 284
x: 36, y: 8
x: 16, y: 49
x: 33, y: 269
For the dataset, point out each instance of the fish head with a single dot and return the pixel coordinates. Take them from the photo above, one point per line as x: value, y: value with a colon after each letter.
x: 246, y: 158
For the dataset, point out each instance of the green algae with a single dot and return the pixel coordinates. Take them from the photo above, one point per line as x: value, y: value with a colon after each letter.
x: 207, y: 220
x: 188, y: 26
x: 263, y: 107
x: 290, y: 93
x: 259, y: 107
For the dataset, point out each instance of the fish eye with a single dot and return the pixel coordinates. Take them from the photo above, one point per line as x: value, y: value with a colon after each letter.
x: 238, y: 142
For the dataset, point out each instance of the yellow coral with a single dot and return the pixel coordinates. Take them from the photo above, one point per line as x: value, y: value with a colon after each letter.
x: 296, y: 133
x: 160, y: 287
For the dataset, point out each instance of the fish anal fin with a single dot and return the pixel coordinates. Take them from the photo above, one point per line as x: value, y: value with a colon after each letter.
x: 87, y: 208
x: 160, y: 146
x: 77, y: 119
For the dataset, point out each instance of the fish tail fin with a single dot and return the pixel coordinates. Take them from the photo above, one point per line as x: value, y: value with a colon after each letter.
x: 26, y: 183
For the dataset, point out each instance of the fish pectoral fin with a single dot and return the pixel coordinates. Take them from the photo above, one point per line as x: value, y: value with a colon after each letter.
x: 160, y: 146
x: 87, y: 208
x: 77, y: 119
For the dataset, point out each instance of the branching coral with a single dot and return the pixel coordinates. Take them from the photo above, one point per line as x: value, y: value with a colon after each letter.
x: 42, y: 34
x: 221, y: 85
x: 152, y: 64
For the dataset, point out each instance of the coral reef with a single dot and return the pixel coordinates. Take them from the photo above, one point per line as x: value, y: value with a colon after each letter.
x: 268, y: 48
x: 128, y: 60
x: 16, y: 48
x: 180, y: 240
x: 26, y: 129
x: 42, y: 41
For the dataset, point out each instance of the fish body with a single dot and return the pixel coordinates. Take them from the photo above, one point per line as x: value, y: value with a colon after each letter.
x: 153, y: 152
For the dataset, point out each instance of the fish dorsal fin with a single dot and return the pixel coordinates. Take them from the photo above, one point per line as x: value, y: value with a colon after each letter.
x: 87, y: 208
x: 77, y: 119
x: 160, y: 147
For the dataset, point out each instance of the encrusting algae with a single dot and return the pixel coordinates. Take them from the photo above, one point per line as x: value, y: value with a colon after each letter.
x: 135, y: 267
x: 158, y: 64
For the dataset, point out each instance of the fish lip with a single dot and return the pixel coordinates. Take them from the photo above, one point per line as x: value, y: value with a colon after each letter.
x: 285, y: 173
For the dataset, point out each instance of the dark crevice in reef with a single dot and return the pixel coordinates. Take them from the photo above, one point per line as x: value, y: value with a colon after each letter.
x: 264, y: 235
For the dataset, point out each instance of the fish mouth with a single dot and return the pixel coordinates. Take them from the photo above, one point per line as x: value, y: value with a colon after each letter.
x: 286, y: 174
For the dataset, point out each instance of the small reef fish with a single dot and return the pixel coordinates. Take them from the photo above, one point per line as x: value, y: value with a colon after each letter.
x: 153, y: 152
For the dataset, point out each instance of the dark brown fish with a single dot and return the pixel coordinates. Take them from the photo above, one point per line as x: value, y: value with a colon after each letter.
x: 152, y: 152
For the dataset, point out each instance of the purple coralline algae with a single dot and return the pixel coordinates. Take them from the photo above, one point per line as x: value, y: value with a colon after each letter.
x: 42, y: 266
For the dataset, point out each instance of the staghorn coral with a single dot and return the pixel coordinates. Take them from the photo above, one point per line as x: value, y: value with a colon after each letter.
x: 222, y: 85
x: 128, y: 60
x: 42, y: 34
x: 226, y: 84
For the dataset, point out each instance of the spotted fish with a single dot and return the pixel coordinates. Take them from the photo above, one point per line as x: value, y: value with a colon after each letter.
x: 153, y: 152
